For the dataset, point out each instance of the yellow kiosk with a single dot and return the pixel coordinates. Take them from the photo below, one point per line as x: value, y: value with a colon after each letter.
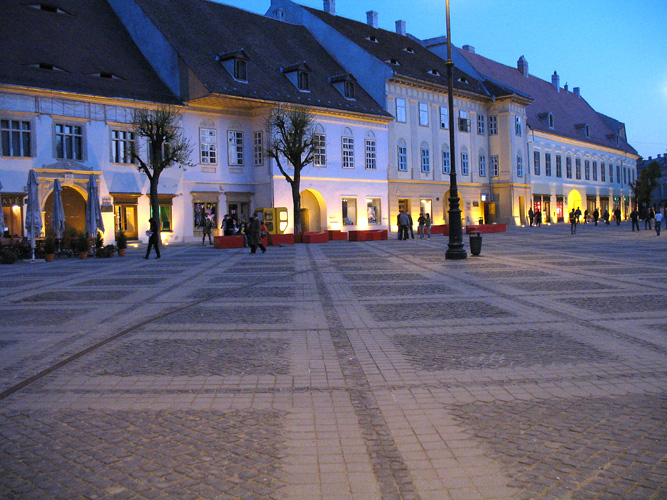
x: 274, y: 218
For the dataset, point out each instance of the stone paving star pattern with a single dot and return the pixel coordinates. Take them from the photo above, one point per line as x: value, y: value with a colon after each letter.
x: 341, y: 371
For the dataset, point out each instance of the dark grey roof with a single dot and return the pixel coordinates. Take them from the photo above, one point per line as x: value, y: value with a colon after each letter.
x: 415, y: 61
x: 201, y: 30
x: 75, y: 46
x: 569, y: 110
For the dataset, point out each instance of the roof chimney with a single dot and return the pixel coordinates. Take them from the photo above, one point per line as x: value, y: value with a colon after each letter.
x: 330, y: 7
x: 400, y: 28
x: 566, y: 87
x: 555, y: 81
x: 372, y: 18
x: 469, y: 48
x: 522, y: 65
x: 577, y: 91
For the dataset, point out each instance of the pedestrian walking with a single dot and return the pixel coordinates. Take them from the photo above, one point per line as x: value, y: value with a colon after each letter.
x: 605, y: 216
x: 617, y: 216
x: 421, y: 222
x: 658, y: 221
x: 531, y: 216
x: 586, y: 216
x: 207, y: 225
x: 152, y: 238
x: 577, y: 214
x: 410, y: 226
x: 596, y: 215
x: 651, y: 218
x: 634, y: 216
x: 254, y: 235
x: 538, y: 218
x: 403, y: 220
x: 428, y: 225
x: 573, y: 222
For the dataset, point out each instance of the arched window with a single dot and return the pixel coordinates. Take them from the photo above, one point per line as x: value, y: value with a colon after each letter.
x: 402, y: 156
x: 320, y: 147
x: 208, y: 142
x: 347, y: 148
x: 446, y: 160
x: 371, y: 151
x: 425, y: 156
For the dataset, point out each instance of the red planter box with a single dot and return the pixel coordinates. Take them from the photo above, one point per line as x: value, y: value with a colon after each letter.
x: 281, y: 239
x: 337, y: 235
x: 486, y: 228
x: 368, y: 235
x: 440, y: 229
x: 235, y: 241
x: 315, y: 237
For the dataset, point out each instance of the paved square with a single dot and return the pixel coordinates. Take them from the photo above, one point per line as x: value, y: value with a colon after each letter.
x: 341, y: 371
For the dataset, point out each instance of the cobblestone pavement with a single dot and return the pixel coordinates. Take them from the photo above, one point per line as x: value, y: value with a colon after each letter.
x: 345, y: 370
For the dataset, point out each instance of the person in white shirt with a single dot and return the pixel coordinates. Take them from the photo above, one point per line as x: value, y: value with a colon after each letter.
x: 658, y: 220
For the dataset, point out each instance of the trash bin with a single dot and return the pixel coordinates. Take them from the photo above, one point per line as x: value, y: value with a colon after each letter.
x: 481, y: 221
x: 476, y: 243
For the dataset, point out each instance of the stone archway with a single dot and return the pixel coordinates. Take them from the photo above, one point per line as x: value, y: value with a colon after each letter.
x: 75, y: 211
x: 574, y: 201
x: 445, y: 206
x: 313, y: 211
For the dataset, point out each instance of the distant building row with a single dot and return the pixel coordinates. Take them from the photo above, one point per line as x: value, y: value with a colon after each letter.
x: 74, y: 73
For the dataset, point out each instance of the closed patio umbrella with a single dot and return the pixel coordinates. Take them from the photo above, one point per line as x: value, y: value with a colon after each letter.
x: 93, y: 211
x: 58, y: 213
x: 2, y: 218
x: 33, y: 214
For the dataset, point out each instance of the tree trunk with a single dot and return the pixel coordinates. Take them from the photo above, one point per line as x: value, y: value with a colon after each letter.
x: 296, y: 201
x: 155, y: 209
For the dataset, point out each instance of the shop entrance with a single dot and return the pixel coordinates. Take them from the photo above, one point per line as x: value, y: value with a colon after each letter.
x: 126, y: 220
x: 312, y: 211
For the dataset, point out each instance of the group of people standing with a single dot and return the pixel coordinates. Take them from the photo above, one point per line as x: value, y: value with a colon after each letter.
x: 405, y: 225
x: 252, y: 231
x: 652, y: 218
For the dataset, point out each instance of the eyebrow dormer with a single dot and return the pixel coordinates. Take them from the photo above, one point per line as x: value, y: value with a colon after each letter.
x: 345, y: 84
x: 299, y: 75
x: 236, y: 64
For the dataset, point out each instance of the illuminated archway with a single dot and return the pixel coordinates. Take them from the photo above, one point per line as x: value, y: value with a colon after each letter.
x: 74, y: 204
x: 445, y: 205
x: 574, y: 200
x: 313, y: 211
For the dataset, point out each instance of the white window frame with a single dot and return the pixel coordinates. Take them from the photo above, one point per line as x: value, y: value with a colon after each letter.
x: 70, y: 153
x: 258, y: 145
x: 444, y: 117
x: 482, y: 165
x: 425, y: 155
x: 481, y: 128
x: 347, y: 151
x: 235, y: 148
x: 446, y: 162
x: 401, y: 110
x: 402, y: 152
x: 536, y: 163
x: 493, y: 165
x: 547, y: 164
x: 122, y: 143
x: 518, y: 125
x: 423, y: 114
x: 371, y: 154
x: 465, y: 164
x: 519, y: 166
x: 14, y: 133
x: 319, y: 149
x: 493, y: 125
x: 208, y: 146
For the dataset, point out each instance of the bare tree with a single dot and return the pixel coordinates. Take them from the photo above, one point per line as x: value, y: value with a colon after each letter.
x: 167, y: 145
x: 292, y: 145
x: 646, y: 183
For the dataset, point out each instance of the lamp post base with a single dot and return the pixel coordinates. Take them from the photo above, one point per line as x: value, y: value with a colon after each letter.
x: 456, y: 253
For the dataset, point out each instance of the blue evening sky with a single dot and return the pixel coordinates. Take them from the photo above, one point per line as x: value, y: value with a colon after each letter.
x: 614, y: 50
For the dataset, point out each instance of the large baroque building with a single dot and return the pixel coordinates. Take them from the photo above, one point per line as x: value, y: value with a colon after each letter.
x: 379, y: 99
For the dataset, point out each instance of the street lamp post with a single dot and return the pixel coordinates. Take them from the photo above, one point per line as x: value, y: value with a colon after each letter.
x: 455, y: 250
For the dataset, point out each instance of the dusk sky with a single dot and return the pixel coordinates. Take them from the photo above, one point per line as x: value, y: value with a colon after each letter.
x: 614, y: 50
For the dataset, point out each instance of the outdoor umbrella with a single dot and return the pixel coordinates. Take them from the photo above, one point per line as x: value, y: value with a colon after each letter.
x: 33, y: 214
x: 93, y: 212
x: 58, y: 213
x: 2, y: 218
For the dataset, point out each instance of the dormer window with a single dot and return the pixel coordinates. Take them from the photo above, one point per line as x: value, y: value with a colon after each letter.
x: 236, y: 64
x: 106, y: 76
x: 372, y: 39
x: 345, y: 84
x: 47, y: 67
x: 299, y: 75
x: 463, y: 79
x: 547, y: 119
x: 433, y: 72
x: 393, y: 62
x: 613, y: 138
x: 47, y: 8
x: 409, y: 50
x: 583, y: 128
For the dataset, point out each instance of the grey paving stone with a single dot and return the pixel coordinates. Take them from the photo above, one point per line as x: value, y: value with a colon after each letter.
x: 435, y: 310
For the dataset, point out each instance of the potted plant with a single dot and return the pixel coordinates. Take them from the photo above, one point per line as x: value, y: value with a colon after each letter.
x: 49, y: 249
x: 121, y: 243
x: 82, y: 246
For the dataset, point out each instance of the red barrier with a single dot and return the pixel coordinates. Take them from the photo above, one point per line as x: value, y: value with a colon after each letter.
x: 486, y: 228
x: 368, y: 235
x: 440, y: 229
x: 281, y: 239
x: 337, y: 235
x: 315, y: 237
x: 235, y: 241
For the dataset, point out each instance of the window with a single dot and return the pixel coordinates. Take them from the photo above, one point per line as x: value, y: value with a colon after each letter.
x: 481, y: 128
x: 258, y: 145
x: 517, y: 125
x: 464, y: 122
x: 320, y: 149
x: 618, y: 174
x: 550, y: 120
x: 400, y: 110
x: 373, y: 210
x: 611, y: 173
x: 208, y: 146
x: 493, y: 125
x: 69, y: 142
x: 465, y: 164
x: 587, y: 170
x: 423, y: 114
x: 625, y: 175
x: 303, y: 81
x: 547, y: 164
x: 371, y: 157
x: 536, y: 162
x: 348, y: 152
x: 603, y: 172
x: 446, y: 162
x: 16, y: 138
x: 240, y: 70
x: 519, y: 166
x: 235, y: 147
x: 425, y: 160
x: 444, y: 117
x: 595, y: 171
x: 349, y: 206
x: 349, y: 91
x: 577, y: 168
x: 122, y: 143
x: 568, y: 167
x: 402, y: 158
x: 559, y: 166
x: 482, y: 166
x: 493, y: 162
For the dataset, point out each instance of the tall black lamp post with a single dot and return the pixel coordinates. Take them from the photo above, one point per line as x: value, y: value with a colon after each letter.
x: 455, y: 250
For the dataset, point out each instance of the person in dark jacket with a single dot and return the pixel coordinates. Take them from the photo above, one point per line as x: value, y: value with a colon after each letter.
x: 152, y: 238
x: 254, y: 238
x: 634, y: 216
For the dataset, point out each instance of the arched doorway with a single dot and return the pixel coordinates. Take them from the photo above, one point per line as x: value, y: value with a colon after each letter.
x: 445, y: 207
x: 313, y: 211
x: 75, y: 211
x: 574, y: 200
